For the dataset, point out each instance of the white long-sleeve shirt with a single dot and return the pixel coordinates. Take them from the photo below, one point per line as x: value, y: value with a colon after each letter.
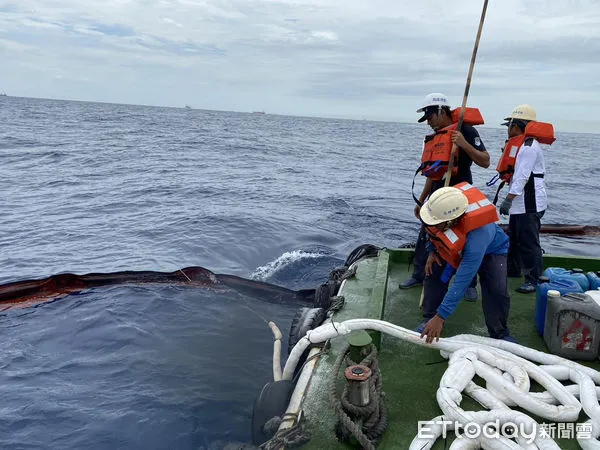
x: 529, y: 198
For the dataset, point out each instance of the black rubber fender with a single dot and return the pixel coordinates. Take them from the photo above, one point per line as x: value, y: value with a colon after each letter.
x: 360, y: 252
x: 408, y: 245
x: 337, y: 273
x: 324, y: 293
x: 272, y: 401
x: 334, y: 286
x: 304, y: 320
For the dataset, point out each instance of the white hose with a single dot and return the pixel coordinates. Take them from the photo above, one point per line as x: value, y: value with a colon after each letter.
x: 591, y: 443
x: 508, y: 370
x: 486, y: 399
x: 475, y: 443
x: 276, y: 351
x: 434, y: 429
x: 529, y: 353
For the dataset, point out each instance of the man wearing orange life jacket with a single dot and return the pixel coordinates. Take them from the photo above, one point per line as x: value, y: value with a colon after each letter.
x: 436, y: 111
x: 462, y: 229
x: 526, y: 201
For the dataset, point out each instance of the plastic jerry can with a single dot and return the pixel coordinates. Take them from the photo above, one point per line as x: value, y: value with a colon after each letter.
x: 572, y: 328
x: 594, y: 279
x: 554, y: 272
x: 580, y: 277
x: 562, y: 285
x: 558, y: 273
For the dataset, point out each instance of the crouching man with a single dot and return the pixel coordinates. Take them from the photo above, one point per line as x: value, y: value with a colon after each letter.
x: 463, y: 233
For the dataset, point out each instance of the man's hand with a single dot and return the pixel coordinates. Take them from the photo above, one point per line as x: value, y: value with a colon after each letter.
x: 432, y: 259
x: 505, y: 206
x: 417, y: 210
x: 433, y: 329
x: 459, y: 139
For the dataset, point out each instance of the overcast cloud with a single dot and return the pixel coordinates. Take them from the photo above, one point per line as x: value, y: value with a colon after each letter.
x: 372, y: 59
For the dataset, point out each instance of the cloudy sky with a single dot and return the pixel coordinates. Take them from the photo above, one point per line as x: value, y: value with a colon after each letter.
x: 373, y: 59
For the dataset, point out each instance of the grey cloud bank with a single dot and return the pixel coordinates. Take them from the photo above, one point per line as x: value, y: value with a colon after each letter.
x: 357, y: 59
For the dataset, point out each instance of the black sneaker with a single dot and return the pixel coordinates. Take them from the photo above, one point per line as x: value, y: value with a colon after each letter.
x: 471, y: 294
x: 527, y: 288
x: 410, y: 283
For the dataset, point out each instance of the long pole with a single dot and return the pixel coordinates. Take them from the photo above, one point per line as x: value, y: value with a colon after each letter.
x: 464, y: 102
x: 462, y: 109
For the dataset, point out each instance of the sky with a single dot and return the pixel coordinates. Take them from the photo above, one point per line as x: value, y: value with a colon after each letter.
x: 363, y: 59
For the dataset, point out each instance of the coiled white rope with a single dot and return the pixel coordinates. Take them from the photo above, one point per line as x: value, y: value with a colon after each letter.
x: 508, y: 370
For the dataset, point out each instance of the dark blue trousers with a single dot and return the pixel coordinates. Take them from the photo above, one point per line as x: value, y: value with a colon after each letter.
x: 525, y: 253
x: 494, y: 293
x: 420, y: 255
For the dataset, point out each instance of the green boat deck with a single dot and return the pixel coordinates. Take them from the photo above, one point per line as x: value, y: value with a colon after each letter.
x: 411, y: 373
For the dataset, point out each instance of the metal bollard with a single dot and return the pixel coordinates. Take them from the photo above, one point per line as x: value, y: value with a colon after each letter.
x: 357, y: 377
x: 360, y: 345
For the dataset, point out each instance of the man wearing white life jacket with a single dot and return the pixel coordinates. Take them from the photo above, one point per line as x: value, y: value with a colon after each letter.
x: 439, y: 116
x: 462, y: 231
x: 526, y: 201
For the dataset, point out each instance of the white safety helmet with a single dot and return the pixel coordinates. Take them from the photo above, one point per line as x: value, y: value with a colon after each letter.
x: 434, y: 99
x: 445, y: 204
x: 521, y: 112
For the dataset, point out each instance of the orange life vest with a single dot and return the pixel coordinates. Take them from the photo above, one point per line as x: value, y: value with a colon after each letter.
x: 543, y: 132
x: 480, y: 212
x: 437, y: 147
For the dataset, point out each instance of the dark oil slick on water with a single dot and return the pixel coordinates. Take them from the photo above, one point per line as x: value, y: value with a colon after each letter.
x: 90, y: 187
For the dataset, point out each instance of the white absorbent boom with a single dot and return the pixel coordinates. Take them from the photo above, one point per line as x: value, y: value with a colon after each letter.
x: 508, y: 370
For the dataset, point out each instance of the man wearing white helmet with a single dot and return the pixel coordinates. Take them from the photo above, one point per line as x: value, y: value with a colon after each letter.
x: 526, y: 201
x: 461, y: 224
x: 437, y: 112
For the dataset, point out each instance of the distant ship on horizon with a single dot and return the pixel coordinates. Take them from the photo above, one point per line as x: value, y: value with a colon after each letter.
x: 3, y: 94
x: 258, y: 112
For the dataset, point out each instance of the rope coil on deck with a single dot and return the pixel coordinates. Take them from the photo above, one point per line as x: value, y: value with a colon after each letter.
x: 366, y: 423
x: 292, y: 437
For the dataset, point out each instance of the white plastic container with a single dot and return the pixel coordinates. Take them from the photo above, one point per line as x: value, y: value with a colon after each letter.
x: 572, y: 327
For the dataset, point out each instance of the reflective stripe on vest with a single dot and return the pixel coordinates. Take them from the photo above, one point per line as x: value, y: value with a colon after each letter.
x: 543, y: 132
x: 436, y: 154
x: 480, y: 212
x: 437, y: 147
